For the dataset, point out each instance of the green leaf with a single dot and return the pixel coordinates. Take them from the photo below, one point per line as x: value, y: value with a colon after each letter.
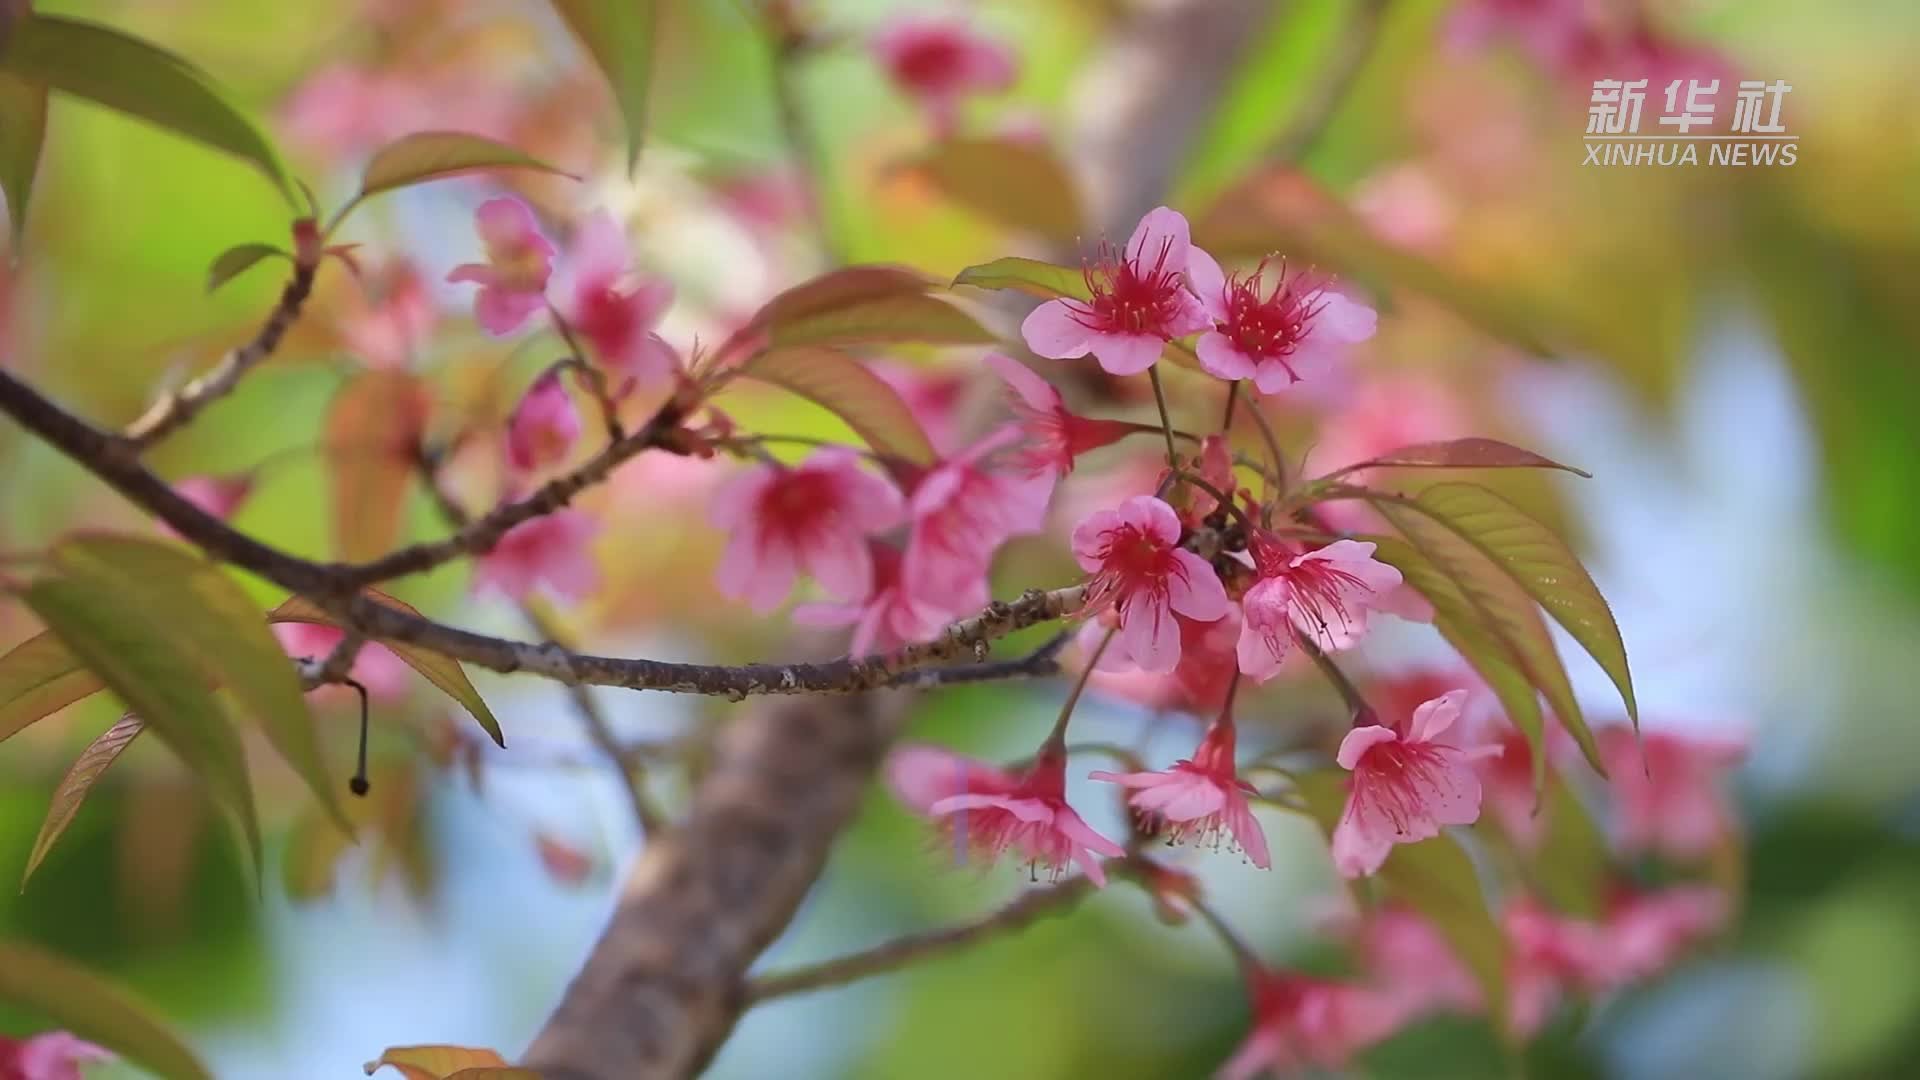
x: 443, y: 672
x: 92, y: 764
x: 213, y: 619
x: 237, y: 260
x: 431, y: 155
x: 845, y: 387
x: 94, y: 1009
x: 140, y: 658
x: 1545, y: 567
x: 1471, y: 453
x: 1011, y: 182
x: 1030, y: 276
x: 1436, y: 878
x: 618, y: 34
x: 1571, y: 865
x: 23, y: 129
x: 858, y: 305
x: 131, y: 76
x: 39, y: 677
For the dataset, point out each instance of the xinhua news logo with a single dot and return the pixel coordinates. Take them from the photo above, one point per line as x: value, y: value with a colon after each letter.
x: 1754, y: 134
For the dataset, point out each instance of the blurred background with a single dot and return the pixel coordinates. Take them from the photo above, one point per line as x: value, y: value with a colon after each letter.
x: 1729, y: 350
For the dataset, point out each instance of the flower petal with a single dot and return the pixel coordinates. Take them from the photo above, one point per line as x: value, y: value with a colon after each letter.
x: 1054, y: 330
x: 1037, y: 392
x: 1197, y: 593
x: 1125, y: 354
x: 1360, y: 740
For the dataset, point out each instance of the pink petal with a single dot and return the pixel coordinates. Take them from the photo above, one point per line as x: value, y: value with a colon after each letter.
x: 1053, y: 330
x: 1359, y: 741
x: 1358, y: 850
x: 843, y: 567
x: 506, y: 224
x: 1124, y: 354
x: 1264, y: 1050
x: 475, y: 272
x: 1148, y: 630
x: 1189, y: 316
x: 921, y: 776
x: 1070, y: 825
x: 1223, y: 360
x: 1037, y: 392
x: 1343, y: 321
x: 1161, y: 230
x: 1248, y: 833
x: 1434, y: 717
x: 1197, y: 594
x: 1257, y: 661
x: 1153, y: 517
x: 734, y: 503
x: 1449, y: 793
x: 1133, y: 779
x: 1210, y: 284
x: 1090, y: 538
x: 598, y: 256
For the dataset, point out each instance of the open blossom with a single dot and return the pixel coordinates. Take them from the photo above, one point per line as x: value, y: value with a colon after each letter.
x: 610, y: 307
x: 544, y: 426
x: 1324, y: 594
x: 1141, y: 573
x: 1277, y: 336
x: 1671, y: 803
x: 1140, y: 302
x: 50, y: 1055
x: 1406, y: 785
x: 965, y: 508
x: 939, y: 62
x: 513, y: 280
x: 812, y: 517
x: 553, y: 550
x: 896, y: 613
x: 1052, y: 435
x: 1306, y: 1023
x: 1200, y: 796
x: 989, y: 809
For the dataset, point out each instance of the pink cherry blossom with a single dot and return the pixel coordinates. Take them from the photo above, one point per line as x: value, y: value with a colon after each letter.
x: 895, y: 614
x: 1201, y: 797
x: 1405, y: 955
x: 1197, y: 684
x: 1670, y: 803
x: 964, y: 509
x: 1275, y: 337
x: 220, y: 496
x: 374, y: 666
x: 1548, y: 955
x: 1052, y: 436
x: 1646, y: 932
x: 1406, y: 785
x: 544, y: 425
x: 921, y: 776
x: 50, y: 1055
x: 1304, y: 1023
x: 1140, y: 302
x: 1032, y: 818
x: 812, y: 517
x: 1324, y: 594
x: 611, y: 308
x: 513, y: 280
x: 553, y: 550
x: 1142, y: 574
x: 388, y: 316
x: 939, y: 62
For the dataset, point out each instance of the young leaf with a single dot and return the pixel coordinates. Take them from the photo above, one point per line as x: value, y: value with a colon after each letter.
x: 139, y: 658
x: 857, y: 305
x: 92, y: 764
x: 215, y: 621
x: 23, y: 128
x: 618, y: 34
x: 443, y: 672
x: 1465, y: 454
x: 131, y: 76
x: 39, y: 677
x: 430, y: 155
x: 845, y: 387
x: 1010, y: 182
x: 1030, y: 276
x: 237, y: 260
x: 1571, y: 864
x: 371, y: 428
x: 439, y: 1062
x: 94, y: 1009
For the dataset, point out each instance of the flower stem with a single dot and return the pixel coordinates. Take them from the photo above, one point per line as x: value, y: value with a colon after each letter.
x: 1233, y: 398
x: 1237, y: 945
x: 1057, y: 739
x: 1166, y: 422
x: 1363, y: 714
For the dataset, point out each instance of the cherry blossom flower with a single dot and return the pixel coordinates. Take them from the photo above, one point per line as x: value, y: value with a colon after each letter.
x: 1547, y: 955
x: 1407, y: 958
x: 1142, y: 574
x: 1032, y: 818
x: 220, y: 496
x: 389, y: 316
x: 922, y: 775
x: 1275, y: 337
x: 1301, y: 1022
x: 374, y: 666
x: 1200, y: 796
x: 939, y: 62
x: 1197, y: 684
x: 814, y: 516
x: 613, y: 310
x: 50, y: 1055
x: 964, y: 509
x: 1052, y: 435
x: 895, y: 614
x: 1140, y: 302
x: 544, y: 425
x: 552, y: 550
x: 1406, y: 785
x: 513, y: 280
x: 1670, y: 803
x: 1646, y: 932
x: 1325, y: 594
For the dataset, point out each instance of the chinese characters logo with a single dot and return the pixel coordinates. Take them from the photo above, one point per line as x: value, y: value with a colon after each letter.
x: 1754, y: 135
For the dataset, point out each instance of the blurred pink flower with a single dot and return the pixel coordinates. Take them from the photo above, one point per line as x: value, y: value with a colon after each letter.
x: 616, y: 311
x: 1407, y: 205
x: 1142, y: 574
x: 1670, y: 802
x: 1324, y: 594
x: 1550, y: 31
x: 220, y: 496
x: 815, y: 517
x: 50, y: 1055
x: 1548, y: 955
x: 895, y: 614
x: 1202, y: 797
x: 933, y: 395
x: 513, y: 280
x: 389, y: 316
x: 1197, y: 684
x: 1412, y: 963
x: 1386, y: 413
x: 1406, y: 785
x: 1140, y: 302
x: 1302, y: 1023
x: 1032, y: 816
x: 1276, y: 337
x: 1645, y: 933
x: 922, y: 775
x: 544, y: 425
x: 964, y: 509
x: 554, y: 550
x: 374, y: 666
x: 1052, y: 436
x: 939, y: 62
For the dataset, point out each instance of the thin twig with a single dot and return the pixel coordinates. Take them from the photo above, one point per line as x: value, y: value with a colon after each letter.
x: 1166, y: 423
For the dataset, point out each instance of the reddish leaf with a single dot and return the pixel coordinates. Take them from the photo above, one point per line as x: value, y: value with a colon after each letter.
x: 855, y: 306
x: 431, y: 155
x: 563, y: 862
x: 443, y: 1062
x: 1464, y: 454
x: 39, y: 677
x: 1008, y: 181
x: 372, y: 427
x: 844, y: 386
x: 92, y: 764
